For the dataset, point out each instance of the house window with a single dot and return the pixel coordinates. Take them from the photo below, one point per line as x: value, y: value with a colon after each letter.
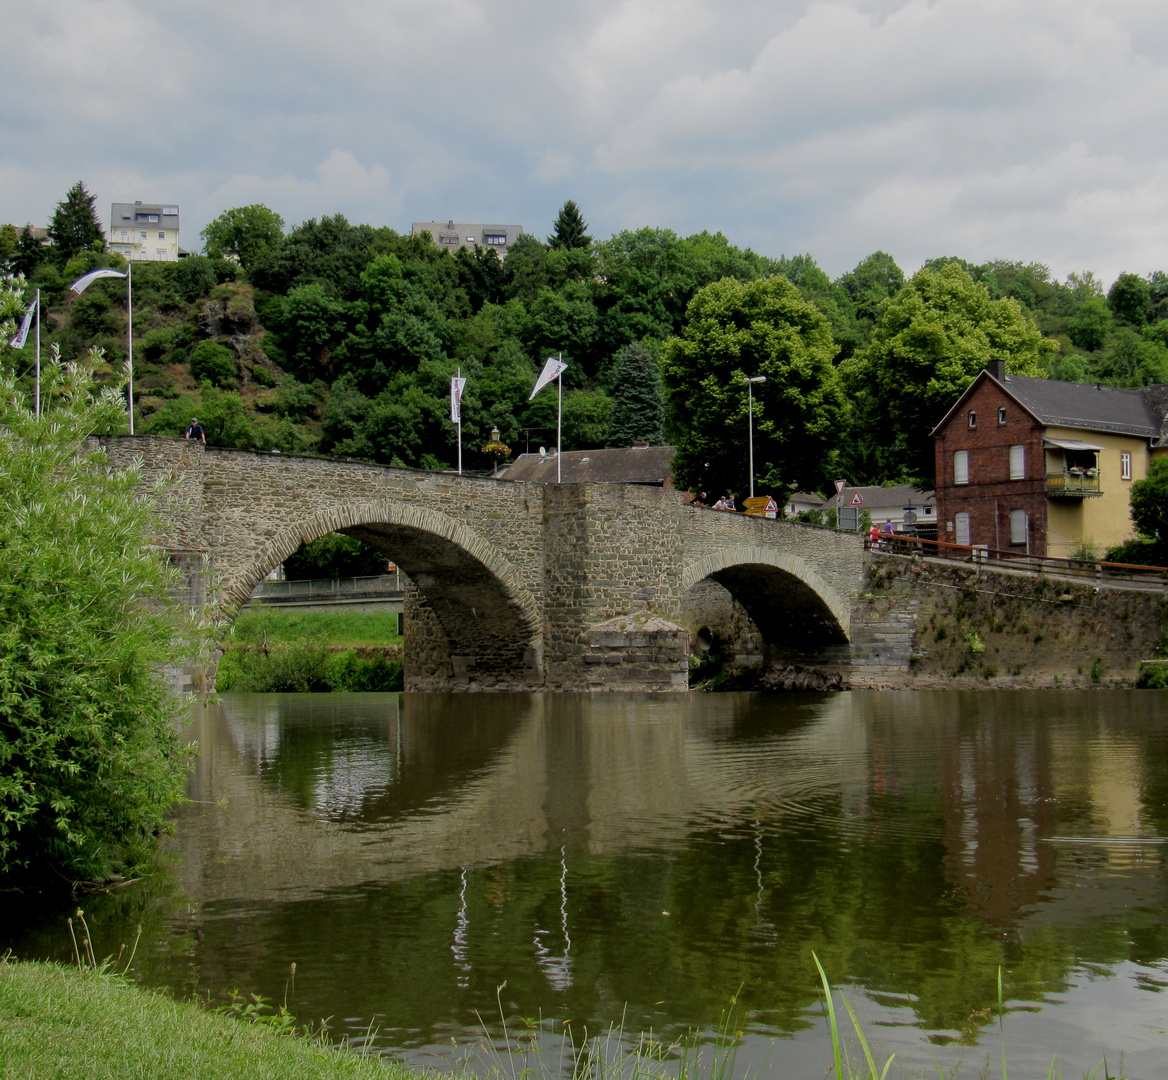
x: 1125, y: 466
x: 162, y: 236
x: 961, y: 467
x: 1018, y: 526
x: 1017, y: 462
x: 495, y: 239
x: 961, y: 535
x: 142, y: 233
x: 450, y: 239
x: 1002, y: 415
x: 972, y: 419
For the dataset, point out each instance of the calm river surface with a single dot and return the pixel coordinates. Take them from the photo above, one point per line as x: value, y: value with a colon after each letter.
x: 646, y: 856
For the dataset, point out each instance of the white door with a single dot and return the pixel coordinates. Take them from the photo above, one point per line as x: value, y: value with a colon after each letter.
x: 962, y: 526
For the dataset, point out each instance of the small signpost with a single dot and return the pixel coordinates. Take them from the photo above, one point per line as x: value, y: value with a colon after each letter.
x: 762, y: 506
x: 848, y: 518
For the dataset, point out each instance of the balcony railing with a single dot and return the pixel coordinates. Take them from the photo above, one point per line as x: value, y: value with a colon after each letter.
x: 1073, y: 485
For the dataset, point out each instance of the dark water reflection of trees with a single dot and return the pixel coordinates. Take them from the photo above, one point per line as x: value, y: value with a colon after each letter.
x: 651, y: 855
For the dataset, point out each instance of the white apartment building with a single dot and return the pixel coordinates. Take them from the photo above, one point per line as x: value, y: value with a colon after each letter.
x: 144, y: 232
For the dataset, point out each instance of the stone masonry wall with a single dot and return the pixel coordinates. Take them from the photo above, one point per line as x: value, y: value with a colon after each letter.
x: 956, y: 625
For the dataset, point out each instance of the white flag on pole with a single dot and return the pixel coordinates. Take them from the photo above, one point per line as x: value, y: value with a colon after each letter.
x: 551, y: 370
x: 22, y: 334
x: 456, y: 385
x: 85, y: 280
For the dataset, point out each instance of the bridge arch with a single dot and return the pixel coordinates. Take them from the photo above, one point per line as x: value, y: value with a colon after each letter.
x: 488, y: 618
x: 792, y: 605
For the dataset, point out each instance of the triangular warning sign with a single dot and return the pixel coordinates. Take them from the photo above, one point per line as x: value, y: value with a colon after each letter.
x: 840, y: 485
x: 771, y: 506
x: 857, y: 499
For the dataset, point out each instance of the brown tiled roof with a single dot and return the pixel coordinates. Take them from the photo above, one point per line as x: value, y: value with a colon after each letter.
x: 622, y: 465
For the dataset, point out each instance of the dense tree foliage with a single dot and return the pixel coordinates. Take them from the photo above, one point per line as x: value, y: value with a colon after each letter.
x: 638, y: 413
x: 738, y: 330
x: 246, y: 233
x: 89, y: 760
x: 929, y: 341
x: 1149, y: 502
x: 75, y: 226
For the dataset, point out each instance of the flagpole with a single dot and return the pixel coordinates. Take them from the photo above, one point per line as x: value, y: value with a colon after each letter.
x: 559, y: 420
x: 37, y: 390
x: 130, y: 342
x: 460, y: 427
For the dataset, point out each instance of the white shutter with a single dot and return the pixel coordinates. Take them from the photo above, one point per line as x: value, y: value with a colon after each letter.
x: 961, y: 467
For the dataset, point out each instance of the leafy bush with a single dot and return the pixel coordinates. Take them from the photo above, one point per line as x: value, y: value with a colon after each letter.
x: 305, y: 666
x: 1139, y: 553
x: 1153, y: 675
x: 89, y: 758
x: 193, y: 278
x: 215, y: 363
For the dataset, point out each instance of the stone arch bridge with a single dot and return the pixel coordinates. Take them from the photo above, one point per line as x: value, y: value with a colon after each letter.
x: 514, y: 586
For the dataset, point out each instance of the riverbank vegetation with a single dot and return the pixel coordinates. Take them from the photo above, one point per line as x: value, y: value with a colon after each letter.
x: 90, y: 1025
x: 309, y: 651
x: 89, y: 759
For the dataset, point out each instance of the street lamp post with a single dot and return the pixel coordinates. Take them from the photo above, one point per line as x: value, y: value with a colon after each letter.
x: 749, y: 380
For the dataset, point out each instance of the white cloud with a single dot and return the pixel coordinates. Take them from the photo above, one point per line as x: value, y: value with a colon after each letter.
x: 1006, y: 128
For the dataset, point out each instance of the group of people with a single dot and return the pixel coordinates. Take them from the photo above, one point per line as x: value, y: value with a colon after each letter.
x: 726, y: 502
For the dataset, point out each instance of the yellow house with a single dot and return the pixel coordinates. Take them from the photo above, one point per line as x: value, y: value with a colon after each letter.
x: 1042, y: 467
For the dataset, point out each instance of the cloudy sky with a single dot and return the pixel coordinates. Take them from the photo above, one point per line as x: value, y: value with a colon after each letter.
x: 1021, y: 129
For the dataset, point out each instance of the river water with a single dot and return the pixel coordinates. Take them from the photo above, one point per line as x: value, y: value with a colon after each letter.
x: 643, y: 859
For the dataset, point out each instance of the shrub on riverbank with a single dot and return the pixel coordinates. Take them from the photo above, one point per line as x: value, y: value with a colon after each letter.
x: 89, y: 759
x: 305, y: 667
x: 311, y: 652
x: 74, y: 1025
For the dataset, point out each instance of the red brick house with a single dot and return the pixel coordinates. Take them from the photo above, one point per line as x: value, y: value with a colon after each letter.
x: 1042, y: 467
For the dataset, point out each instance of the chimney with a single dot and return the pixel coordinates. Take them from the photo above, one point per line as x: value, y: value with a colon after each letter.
x: 997, y: 368
x: 640, y: 446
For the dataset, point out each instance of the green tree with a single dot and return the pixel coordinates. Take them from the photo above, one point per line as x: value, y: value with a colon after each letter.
x: 1149, y: 501
x: 638, y: 414
x: 9, y: 245
x: 570, y: 230
x: 736, y: 330
x: 1130, y: 299
x: 89, y: 758
x: 1090, y: 325
x: 930, y: 340
x: 247, y: 233
x: 75, y: 226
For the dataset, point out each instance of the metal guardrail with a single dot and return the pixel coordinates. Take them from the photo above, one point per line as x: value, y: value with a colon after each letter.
x: 329, y: 588
x: 1014, y: 560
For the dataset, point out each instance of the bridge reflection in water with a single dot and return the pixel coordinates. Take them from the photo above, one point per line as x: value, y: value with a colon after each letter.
x: 646, y: 855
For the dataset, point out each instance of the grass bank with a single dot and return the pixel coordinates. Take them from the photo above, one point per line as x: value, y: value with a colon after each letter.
x: 311, y: 651
x: 82, y: 1025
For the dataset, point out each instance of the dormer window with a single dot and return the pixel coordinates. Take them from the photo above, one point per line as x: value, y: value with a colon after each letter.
x: 972, y: 419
